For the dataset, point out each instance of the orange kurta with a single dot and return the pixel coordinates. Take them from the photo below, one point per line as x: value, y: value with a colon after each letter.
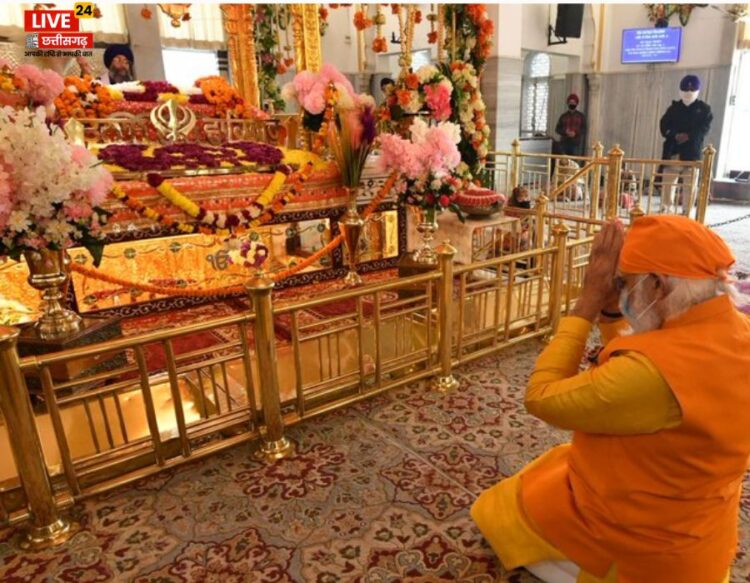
x: 661, y: 506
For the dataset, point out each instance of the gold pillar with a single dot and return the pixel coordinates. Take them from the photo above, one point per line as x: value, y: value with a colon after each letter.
x: 560, y: 234
x: 306, y: 29
x: 515, y: 163
x: 613, y: 181
x: 707, y: 168
x: 47, y: 526
x: 445, y: 381
x: 239, y: 24
x: 596, y: 185
x: 540, y: 206
x: 275, y: 446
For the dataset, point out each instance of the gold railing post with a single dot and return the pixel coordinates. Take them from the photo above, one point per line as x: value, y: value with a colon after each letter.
x: 445, y: 381
x: 515, y: 163
x: 540, y: 206
x: 636, y: 212
x: 560, y: 235
x: 613, y: 181
x: 596, y: 185
x: 48, y: 528
x: 707, y: 167
x: 274, y: 446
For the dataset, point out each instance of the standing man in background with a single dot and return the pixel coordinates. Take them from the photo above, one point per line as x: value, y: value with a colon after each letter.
x: 571, y: 127
x: 684, y: 127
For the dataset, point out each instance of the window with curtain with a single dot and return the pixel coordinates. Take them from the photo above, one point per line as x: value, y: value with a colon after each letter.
x: 110, y: 28
x: 204, y: 30
x: 535, y: 95
x: 202, y: 64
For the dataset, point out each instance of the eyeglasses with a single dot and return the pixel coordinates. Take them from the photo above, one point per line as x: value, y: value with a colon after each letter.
x: 620, y: 283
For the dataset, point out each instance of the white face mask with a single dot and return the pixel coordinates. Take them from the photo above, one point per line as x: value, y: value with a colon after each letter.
x: 635, y: 319
x: 688, y: 96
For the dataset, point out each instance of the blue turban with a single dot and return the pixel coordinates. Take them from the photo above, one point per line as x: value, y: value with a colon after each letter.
x: 690, y: 83
x: 115, y: 50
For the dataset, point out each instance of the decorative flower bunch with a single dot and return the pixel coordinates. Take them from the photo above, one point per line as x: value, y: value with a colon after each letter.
x: 429, y: 88
x: 225, y: 98
x: 50, y: 190
x: 150, y: 91
x: 426, y: 165
x: 27, y: 85
x: 474, y: 31
x: 352, y: 137
x: 139, y: 158
x: 84, y: 97
x: 379, y: 44
x: 246, y: 252
x: 471, y: 116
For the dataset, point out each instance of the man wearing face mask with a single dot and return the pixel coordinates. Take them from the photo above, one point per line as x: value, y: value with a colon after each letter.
x: 649, y: 488
x: 571, y: 127
x: 684, y: 126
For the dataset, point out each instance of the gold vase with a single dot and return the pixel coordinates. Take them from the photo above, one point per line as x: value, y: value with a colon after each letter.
x: 49, y: 272
x: 427, y: 227
x: 351, y: 226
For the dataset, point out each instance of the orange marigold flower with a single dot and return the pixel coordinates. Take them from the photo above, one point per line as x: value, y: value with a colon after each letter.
x: 323, y: 12
x: 417, y: 17
x: 379, y: 45
x: 146, y: 14
x: 361, y: 22
x: 412, y: 81
x: 432, y: 37
x: 403, y: 96
x: 394, y: 8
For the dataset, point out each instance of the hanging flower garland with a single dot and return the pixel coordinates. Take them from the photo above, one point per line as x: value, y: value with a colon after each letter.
x: 268, y: 19
x: 379, y: 43
x: 210, y: 222
x: 472, y: 34
x: 470, y: 115
x: 323, y: 20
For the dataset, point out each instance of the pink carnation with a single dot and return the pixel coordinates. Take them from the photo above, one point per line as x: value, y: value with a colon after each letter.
x: 438, y: 99
x: 41, y: 85
x: 75, y: 211
x: 330, y: 74
x: 397, y: 154
x: 99, y: 191
x: 82, y: 156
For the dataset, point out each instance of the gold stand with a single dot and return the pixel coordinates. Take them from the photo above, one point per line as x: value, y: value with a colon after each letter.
x: 427, y: 228
x: 445, y: 382
x: 47, y: 527
x: 351, y: 226
x: 49, y: 273
x: 274, y: 445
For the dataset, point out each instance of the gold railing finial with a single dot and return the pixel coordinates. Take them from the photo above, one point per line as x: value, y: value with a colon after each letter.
x: 445, y: 381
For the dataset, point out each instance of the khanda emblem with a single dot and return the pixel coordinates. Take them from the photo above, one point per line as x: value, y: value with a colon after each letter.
x: 219, y: 261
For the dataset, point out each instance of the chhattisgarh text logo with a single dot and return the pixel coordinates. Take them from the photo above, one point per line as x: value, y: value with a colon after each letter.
x: 55, y: 33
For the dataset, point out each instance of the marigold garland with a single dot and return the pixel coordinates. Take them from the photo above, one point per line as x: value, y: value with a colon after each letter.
x: 84, y: 97
x: 174, y: 291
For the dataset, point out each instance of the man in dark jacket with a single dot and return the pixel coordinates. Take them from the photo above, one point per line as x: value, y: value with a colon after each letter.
x: 571, y: 127
x: 684, y: 127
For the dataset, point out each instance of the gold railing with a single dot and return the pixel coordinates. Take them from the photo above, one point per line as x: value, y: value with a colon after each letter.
x: 165, y: 398
x: 599, y: 186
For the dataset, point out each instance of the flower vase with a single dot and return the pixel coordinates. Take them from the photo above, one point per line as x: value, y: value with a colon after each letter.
x: 49, y: 272
x: 427, y: 228
x: 351, y: 226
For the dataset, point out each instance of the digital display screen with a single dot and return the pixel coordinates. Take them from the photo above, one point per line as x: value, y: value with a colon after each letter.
x: 651, y: 45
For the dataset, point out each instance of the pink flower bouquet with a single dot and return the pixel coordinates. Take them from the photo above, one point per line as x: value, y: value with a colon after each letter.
x: 426, y: 164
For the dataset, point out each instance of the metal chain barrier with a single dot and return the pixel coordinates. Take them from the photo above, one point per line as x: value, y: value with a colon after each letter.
x: 729, y: 222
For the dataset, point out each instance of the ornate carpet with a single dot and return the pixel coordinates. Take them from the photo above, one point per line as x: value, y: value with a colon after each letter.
x: 378, y: 493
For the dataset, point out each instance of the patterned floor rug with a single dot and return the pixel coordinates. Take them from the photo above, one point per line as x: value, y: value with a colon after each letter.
x: 378, y: 493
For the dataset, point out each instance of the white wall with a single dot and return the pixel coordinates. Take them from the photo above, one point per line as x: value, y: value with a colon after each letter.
x: 339, y: 45
x: 535, y: 24
x: 707, y: 40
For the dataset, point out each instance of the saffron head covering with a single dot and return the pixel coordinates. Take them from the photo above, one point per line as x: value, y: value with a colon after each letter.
x: 113, y: 51
x: 674, y: 245
x: 690, y: 83
x: 573, y: 97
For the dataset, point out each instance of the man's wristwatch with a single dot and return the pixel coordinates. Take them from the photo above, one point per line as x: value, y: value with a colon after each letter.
x: 613, y: 315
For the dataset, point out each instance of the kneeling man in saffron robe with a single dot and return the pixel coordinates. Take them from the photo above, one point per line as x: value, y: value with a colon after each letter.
x: 649, y: 488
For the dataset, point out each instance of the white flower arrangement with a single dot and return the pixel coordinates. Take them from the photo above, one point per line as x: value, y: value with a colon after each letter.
x: 50, y: 189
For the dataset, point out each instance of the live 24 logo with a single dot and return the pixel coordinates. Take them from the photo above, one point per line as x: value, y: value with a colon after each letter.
x: 59, y: 31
